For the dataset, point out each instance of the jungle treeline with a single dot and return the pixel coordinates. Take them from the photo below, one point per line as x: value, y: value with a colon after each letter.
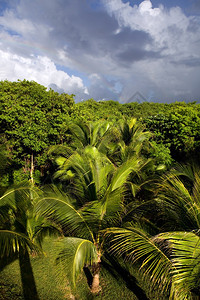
x: 118, y: 183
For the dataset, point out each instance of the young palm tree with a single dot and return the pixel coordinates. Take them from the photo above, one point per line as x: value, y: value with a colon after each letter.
x: 94, y: 134
x: 22, y: 231
x: 129, y: 138
x: 81, y: 135
x: 171, y: 260
x: 99, y: 188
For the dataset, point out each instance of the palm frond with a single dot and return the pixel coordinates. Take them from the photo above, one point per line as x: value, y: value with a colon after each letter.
x: 19, y: 196
x: 186, y: 260
x: 75, y: 253
x: 39, y: 227
x: 111, y: 186
x: 80, y: 133
x: 93, y: 134
x: 179, y: 203
x: 122, y: 173
x: 138, y: 247
x: 58, y: 208
x: 89, y: 171
x: 60, y: 150
x: 10, y: 242
x: 196, y: 190
x: 102, y: 214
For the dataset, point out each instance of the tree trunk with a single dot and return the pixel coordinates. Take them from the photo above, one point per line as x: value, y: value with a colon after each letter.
x: 32, y: 169
x: 27, y: 277
x: 95, y: 288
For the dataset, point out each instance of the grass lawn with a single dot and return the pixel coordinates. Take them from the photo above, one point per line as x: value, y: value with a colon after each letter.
x: 52, y: 285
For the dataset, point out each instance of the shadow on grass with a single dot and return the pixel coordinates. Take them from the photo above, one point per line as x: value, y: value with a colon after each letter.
x: 118, y: 271
x: 5, y: 261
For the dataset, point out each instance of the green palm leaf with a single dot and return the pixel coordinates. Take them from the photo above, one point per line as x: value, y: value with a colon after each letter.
x: 93, y: 134
x: 38, y: 228
x: 140, y: 248
x: 113, y: 199
x: 18, y: 195
x: 180, y: 205
x: 10, y: 242
x: 75, y: 254
x: 186, y: 260
x: 120, y: 177
x: 58, y: 207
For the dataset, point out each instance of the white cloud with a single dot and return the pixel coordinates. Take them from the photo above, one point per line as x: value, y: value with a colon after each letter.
x: 146, y: 7
x: 40, y: 69
x: 175, y: 36
x: 156, y: 21
x: 22, y: 26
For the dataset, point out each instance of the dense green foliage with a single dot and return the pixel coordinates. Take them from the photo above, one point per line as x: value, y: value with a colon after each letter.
x: 178, y: 128
x: 123, y: 192
x: 32, y: 119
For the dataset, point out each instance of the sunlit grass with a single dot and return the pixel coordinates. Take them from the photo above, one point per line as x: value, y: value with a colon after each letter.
x: 52, y: 285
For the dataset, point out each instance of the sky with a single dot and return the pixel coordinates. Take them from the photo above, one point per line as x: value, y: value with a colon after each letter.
x: 105, y: 49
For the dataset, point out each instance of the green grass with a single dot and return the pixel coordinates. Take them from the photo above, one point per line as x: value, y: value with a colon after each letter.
x: 44, y: 273
x: 52, y: 285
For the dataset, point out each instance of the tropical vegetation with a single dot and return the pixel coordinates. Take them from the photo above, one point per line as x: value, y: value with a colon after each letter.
x: 116, y: 186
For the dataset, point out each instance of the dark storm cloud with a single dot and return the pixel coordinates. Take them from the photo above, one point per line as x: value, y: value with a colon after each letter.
x: 189, y: 62
x: 129, y: 46
x: 135, y: 54
x: 84, y: 32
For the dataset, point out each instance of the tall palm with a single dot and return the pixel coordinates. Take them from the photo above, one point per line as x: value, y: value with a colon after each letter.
x: 22, y: 231
x: 100, y: 188
x: 170, y: 259
x: 129, y: 138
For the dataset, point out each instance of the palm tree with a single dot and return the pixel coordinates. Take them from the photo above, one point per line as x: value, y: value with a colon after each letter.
x: 99, y: 189
x: 128, y: 138
x: 95, y: 134
x: 170, y: 259
x: 22, y: 231
x: 81, y: 135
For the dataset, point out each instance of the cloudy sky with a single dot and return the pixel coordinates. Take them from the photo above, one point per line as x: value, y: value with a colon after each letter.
x: 105, y: 49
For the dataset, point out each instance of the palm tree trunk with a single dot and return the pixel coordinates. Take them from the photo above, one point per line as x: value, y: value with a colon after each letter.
x: 27, y: 277
x: 95, y: 288
x: 32, y: 169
